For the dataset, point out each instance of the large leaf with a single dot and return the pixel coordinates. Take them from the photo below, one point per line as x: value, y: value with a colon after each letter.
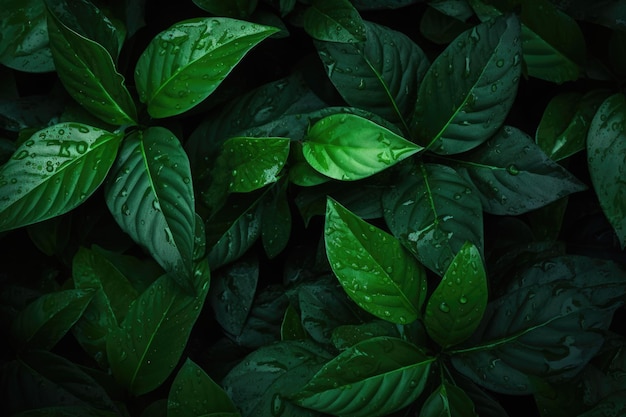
x: 606, y: 147
x: 144, y: 350
x: 448, y: 401
x: 349, y: 147
x: 549, y: 323
x: 53, y: 172
x: 434, y: 211
x: 513, y: 176
x: 334, y: 21
x: 380, y: 75
x: 88, y: 71
x: 150, y: 195
x: 388, y: 373
x: 184, y: 64
x: 468, y: 91
x: 455, y: 308
x: 373, y: 267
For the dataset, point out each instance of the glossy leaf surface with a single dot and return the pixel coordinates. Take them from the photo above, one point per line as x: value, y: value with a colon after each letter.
x: 231, y: 8
x: 448, y: 401
x: 334, y: 21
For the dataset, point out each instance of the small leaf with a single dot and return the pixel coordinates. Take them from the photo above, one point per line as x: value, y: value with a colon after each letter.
x: 230, y: 8
x: 184, y: 64
x: 606, y: 146
x: 448, y: 401
x: 456, y: 307
x: 291, y: 327
x: 388, y: 372
x: 53, y: 172
x: 349, y: 147
x: 373, y: 267
x: 276, y: 226
x: 334, y: 21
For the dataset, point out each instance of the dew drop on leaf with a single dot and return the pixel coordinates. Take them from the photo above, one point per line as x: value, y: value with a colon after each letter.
x: 444, y: 307
x: 463, y: 299
x: 512, y: 169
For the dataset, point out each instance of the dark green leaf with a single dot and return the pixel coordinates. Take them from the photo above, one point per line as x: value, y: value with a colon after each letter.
x: 387, y: 373
x: 47, y: 319
x: 441, y: 28
x: 334, y: 21
x: 28, y: 112
x: 70, y: 411
x: 184, y: 64
x: 150, y: 195
x: 53, y: 172
x: 455, y: 308
x: 513, y: 176
x: 468, y: 91
x: 612, y: 405
x: 458, y: 9
x: 264, y: 320
x: 373, y: 267
x: 617, y: 52
x: 448, y: 401
x: 382, y: 4
x: 229, y: 8
x: 606, y: 146
x: 434, y: 211
x: 291, y: 327
x: 348, y: 335
x: 276, y: 226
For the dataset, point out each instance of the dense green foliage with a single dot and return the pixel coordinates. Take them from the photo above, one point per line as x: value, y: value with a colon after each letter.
x: 303, y: 208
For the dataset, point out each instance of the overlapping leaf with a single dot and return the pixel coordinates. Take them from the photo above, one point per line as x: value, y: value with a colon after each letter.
x: 448, y: 401
x: 334, y: 21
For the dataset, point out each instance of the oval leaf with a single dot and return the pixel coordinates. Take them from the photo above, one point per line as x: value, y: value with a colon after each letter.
x: 373, y: 267
x: 150, y: 195
x: 448, y: 401
x: 456, y: 307
x: 184, y: 64
x: 349, y: 147
x: 334, y: 21
x: 53, y: 172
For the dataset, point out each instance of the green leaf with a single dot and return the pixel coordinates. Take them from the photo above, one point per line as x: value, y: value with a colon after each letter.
x: 230, y: 8
x: 184, y: 64
x: 47, y: 319
x: 262, y: 382
x: 189, y: 393
x: 549, y: 323
x: 373, y: 267
x: 382, y: 4
x: 434, y: 211
x: 346, y: 336
x: 606, y: 145
x: 448, y: 401
x: 468, y: 91
x: 53, y: 172
x: 264, y: 320
x: 150, y: 195
x: 334, y: 21
x: 513, y: 176
x: 348, y: 147
x: 611, y: 405
x: 380, y: 75
x: 144, y: 350
x: 88, y: 72
x: 458, y: 9
x: 276, y: 226
x: 291, y: 326
x: 455, y: 308
x: 441, y: 28
x: 388, y: 372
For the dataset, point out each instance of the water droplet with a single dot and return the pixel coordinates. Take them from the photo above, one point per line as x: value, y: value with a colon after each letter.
x: 444, y: 307
x: 125, y: 210
x: 463, y: 299
x: 512, y: 169
x: 278, y: 405
x: 500, y: 63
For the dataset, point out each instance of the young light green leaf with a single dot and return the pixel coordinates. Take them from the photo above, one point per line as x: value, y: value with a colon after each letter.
x: 334, y: 21
x: 53, y: 172
x: 448, y: 400
x: 88, y: 72
x: 230, y: 8
x: 380, y: 75
x: 388, y: 372
x: 348, y: 147
x: 606, y: 146
x: 194, y: 393
x: 184, y: 64
x: 47, y: 319
x: 373, y: 267
x: 150, y: 195
x: 456, y: 307
x: 144, y: 350
x: 513, y: 176
x: 468, y: 91
x: 434, y: 211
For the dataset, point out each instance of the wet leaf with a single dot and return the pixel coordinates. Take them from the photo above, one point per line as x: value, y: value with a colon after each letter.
x: 448, y: 400
x: 334, y: 21
x: 291, y: 327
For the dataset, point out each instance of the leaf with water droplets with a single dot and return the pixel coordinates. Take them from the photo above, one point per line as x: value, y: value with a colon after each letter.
x: 373, y: 267
x: 334, y: 21
x: 150, y: 195
x: 291, y: 326
x: 606, y: 150
x: 448, y: 400
x: 372, y: 378
x: 349, y: 147
x: 53, y: 172
x: 184, y: 64
x: 276, y: 225
x: 456, y: 307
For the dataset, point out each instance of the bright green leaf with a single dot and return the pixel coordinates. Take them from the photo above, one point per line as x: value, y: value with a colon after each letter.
x: 230, y: 8
x: 334, y: 21
x: 53, y: 172
x: 373, y: 267
x: 448, y: 401
x: 184, y: 64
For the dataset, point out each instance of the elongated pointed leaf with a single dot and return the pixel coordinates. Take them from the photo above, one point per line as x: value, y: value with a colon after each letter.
x: 148, y: 344
x: 380, y: 75
x: 388, y: 372
x: 184, y: 64
x: 513, y: 176
x: 434, y: 211
x: 455, y: 308
x: 53, y: 172
x: 291, y: 326
x: 468, y: 91
x: 150, y: 195
x: 349, y: 147
x: 373, y: 267
x: 334, y: 21
x: 606, y: 147
x: 448, y: 401
x: 276, y: 225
